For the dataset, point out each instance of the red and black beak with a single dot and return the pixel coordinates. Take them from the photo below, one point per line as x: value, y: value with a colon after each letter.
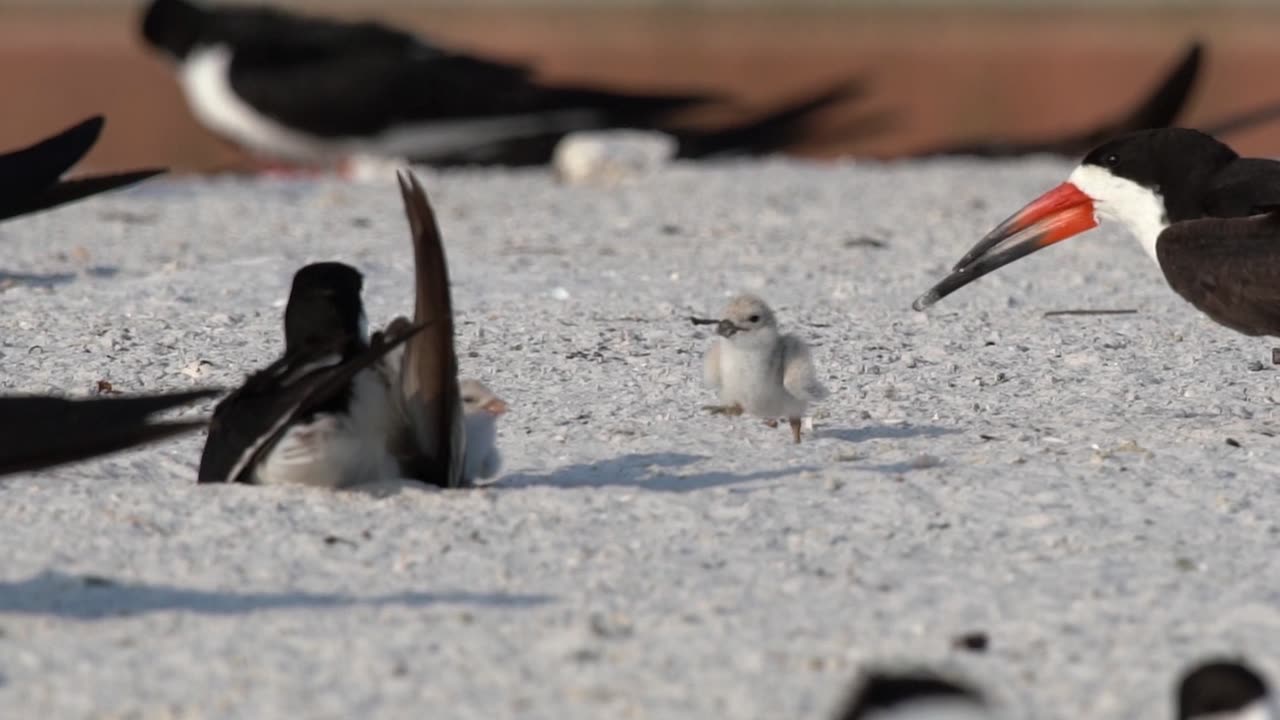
x: 1061, y: 213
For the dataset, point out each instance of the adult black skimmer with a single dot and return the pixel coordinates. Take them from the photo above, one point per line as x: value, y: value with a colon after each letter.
x: 311, y: 90
x: 41, y: 431
x: 1224, y: 690
x: 913, y: 696
x: 320, y: 414
x: 1202, y: 212
x: 339, y: 411
x: 31, y: 178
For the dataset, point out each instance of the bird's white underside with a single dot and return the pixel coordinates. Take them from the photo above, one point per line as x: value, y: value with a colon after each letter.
x: 1259, y: 710
x: 1140, y: 209
x: 751, y: 375
x: 482, y: 456
x: 933, y: 709
x: 205, y: 81
x: 338, y: 451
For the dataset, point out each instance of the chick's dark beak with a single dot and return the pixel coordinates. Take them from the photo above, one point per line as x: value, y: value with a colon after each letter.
x: 726, y: 328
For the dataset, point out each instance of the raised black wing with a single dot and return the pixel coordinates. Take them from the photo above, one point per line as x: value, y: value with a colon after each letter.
x: 433, y: 450
x: 1229, y: 269
x: 38, y: 431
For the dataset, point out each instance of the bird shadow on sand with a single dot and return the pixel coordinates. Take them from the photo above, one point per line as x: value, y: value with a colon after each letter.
x: 52, y: 280
x: 651, y: 471
x: 39, y: 280
x: 884, y: 432
x: 95, y: 598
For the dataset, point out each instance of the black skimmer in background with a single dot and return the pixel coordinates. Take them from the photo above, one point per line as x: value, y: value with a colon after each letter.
x: 1160, y: 109
x: 40, y: 431
x: 1206, y: 215
x: 1224, y: 690
x: 311, y: 91
x: 913, y: 696
x: 31, y: 178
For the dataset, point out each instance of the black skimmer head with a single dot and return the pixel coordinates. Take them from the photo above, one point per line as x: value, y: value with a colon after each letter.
x: 174, y: 26
x: 1224, y: 690
x: 913, y: 696
x: 324, y: 302
x: 1145, y: 180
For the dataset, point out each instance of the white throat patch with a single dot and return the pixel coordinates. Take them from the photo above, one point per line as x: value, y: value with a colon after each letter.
x: 1138, y: 208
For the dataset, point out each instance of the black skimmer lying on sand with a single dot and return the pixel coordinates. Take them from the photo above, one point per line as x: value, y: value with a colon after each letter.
x: 1224, y: 690
x: 31, y: 178
x: 319, y: 414
x: 1160, y: 109
x: 310, y: 90
x: 40, y: 431
x: 1209, y: 690
x: 1206, y: 215
x: 912, y: 696
x: 337, y: 410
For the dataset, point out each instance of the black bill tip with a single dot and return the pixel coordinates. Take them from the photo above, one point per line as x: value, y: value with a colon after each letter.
x: 923, y: 302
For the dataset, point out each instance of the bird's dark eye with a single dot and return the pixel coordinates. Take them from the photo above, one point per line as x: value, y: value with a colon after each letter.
x: 754, y: 319
x: 468, y: 399
x: 1111, y: 160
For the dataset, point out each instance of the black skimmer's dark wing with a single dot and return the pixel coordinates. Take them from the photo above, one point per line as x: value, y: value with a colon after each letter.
x: 1224, y: 690
x: 300, y: 86
x: 774, y: 131
x: 911, y: 696
x: 432, y: 446
x: 1160, y: 109
x: 31, y: 178
x: 1227, y: 269
x: 248, y: 423
x: 40, y: 432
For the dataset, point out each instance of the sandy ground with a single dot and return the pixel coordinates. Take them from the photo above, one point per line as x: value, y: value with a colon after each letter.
x: 1097, y: 494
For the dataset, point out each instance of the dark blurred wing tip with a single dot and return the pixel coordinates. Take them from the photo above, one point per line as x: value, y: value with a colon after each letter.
x: 90, y: 126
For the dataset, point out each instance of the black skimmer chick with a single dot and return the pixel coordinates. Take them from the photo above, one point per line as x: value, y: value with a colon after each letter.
x: 311, y: 91
x: 913, y: 696
x: 42, y: 431
x: 1203, y: 213
x: 31, y: 178
x: 481, y: 408
x: 757, y: 369
x: 319, y: 415
x: 1224, y: 690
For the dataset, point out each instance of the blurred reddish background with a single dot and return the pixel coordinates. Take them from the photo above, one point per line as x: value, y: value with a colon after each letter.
x: 948, y: 74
